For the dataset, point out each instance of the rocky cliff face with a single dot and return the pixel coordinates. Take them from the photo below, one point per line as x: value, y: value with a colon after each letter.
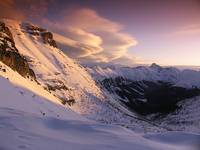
x: 46, y: 36
x: 9, y: 54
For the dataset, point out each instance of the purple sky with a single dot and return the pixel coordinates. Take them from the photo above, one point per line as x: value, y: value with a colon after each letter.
x: 166, y: 32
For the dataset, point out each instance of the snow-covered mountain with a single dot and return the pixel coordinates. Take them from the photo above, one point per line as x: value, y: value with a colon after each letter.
x: 56, y: 72
x: 155, y: 92
x: 65, y: 79
x: 185, y: 78
x: 48, y: 100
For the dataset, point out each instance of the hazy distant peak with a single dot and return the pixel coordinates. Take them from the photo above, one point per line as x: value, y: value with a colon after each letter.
x: 155, y: 66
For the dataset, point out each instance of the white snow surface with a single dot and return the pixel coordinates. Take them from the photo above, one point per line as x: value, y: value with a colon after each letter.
x: 29, y: 131
x: 25, y: 95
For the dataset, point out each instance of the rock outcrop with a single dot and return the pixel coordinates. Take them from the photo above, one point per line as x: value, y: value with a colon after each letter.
x: 9, y: 54
x: 46, y: 36
x: 48, y: 39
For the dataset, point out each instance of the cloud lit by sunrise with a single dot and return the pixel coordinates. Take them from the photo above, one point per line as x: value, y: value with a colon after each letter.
x: 188, y: 30
x: 100, y: 39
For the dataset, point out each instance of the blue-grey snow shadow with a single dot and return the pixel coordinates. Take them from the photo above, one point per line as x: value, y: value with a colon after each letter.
x: 57, y: 124
x: 177, y: 138
x: 79, y: 127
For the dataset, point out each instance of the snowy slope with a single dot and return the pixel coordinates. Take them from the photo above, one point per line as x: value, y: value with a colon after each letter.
x: 52, y: 67
x: 185, y: 119
x: 131, y: 91
x: 31, y: 118
x: 54, y: 70
x: 26, y: 95
x: 66, y: 80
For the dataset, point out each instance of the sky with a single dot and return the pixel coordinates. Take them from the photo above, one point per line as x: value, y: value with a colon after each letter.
x: 118, y: 31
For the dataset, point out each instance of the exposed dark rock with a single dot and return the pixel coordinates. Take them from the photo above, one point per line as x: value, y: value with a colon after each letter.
x: 47, y: 37
x: 70, y: 101
x: 10, y: 56
x: 32, y: 29
x: 57, y: 87
x: 147, y: 97
x: 15, y: 61
x: 154, y: 65
x: 4, y: 29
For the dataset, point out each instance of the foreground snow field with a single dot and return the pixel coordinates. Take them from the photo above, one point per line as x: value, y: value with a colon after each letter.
x: 22, y: 130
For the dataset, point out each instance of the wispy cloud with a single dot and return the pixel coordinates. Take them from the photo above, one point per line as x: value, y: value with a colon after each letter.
x: 189, y: 30
x: 101, y: 40
x: 86, y: 35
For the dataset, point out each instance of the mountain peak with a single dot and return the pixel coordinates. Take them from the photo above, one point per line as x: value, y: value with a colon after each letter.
x: 155, y: 66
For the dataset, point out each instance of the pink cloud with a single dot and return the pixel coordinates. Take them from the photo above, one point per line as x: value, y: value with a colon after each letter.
x: 104, y: 38
x: 95, y: 38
